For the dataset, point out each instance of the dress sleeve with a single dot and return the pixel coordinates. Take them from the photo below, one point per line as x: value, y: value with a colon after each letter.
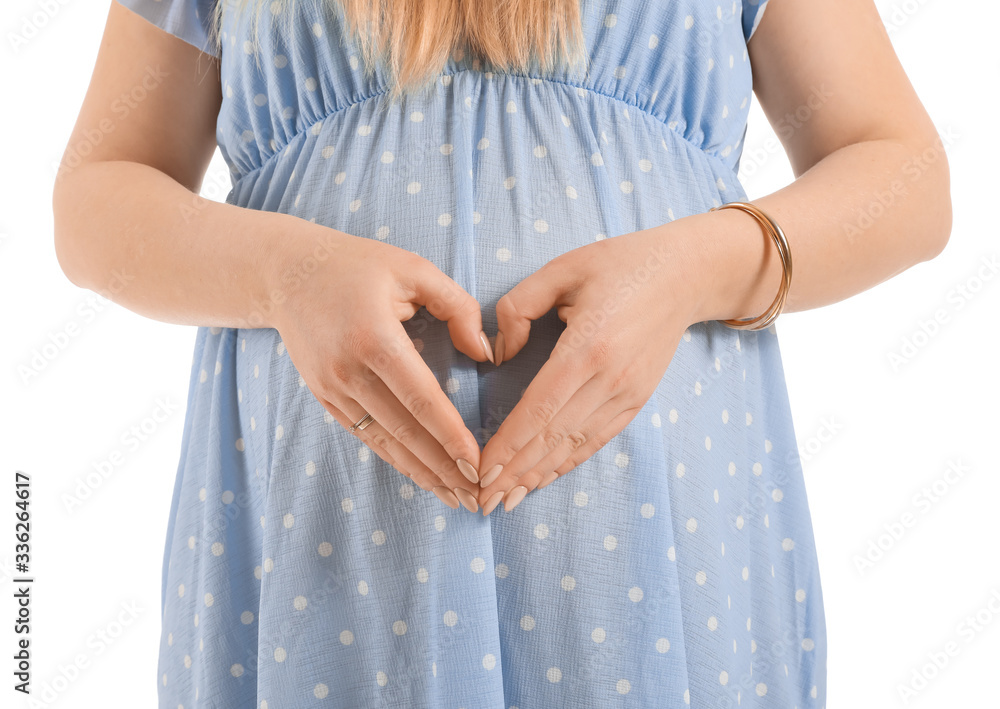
x: 188, y: 19
x: 753, y: 10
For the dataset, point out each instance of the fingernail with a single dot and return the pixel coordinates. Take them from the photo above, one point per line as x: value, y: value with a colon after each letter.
x: 547, y: 479
x: 514, y: 496
x: 492, y: 502
x: 491, y: 475
x: 498, y: 350
x: 446, y: 496
x: 467, y: 470
x: 486, y: 346
x: 468, y: 499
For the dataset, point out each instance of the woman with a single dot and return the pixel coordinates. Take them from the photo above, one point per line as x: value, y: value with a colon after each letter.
x: 408, y: 176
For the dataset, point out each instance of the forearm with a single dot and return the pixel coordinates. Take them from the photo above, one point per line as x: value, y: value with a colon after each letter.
x: 858, y: 217
x: 138, y: 237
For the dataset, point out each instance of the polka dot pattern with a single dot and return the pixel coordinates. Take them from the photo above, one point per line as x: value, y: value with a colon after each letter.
x: 304, y: 570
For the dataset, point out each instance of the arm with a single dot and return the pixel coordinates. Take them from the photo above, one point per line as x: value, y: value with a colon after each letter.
x: 129, y: 224
x: 128, y: 221
x: 867, y: 138
x: 872, y: 194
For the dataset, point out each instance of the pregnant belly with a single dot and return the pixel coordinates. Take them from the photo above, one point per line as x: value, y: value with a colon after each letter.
x: 488, y: 206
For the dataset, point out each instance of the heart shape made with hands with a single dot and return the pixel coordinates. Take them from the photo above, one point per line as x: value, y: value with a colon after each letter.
x: 623, y: 327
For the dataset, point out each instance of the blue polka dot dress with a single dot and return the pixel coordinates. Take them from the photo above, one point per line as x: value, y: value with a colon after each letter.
x: 675, y: 568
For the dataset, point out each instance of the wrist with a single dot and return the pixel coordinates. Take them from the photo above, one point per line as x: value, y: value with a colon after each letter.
x: 287, y: 251
x: 740, y: 267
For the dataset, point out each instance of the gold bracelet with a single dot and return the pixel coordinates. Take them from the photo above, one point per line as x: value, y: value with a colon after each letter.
x: 778, y: 236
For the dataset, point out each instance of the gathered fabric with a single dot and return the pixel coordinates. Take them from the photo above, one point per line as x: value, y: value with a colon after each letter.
x: 675, y: 568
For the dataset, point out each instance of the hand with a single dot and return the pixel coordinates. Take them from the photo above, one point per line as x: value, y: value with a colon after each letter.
x: 342, y: 327
x: 626, y: 302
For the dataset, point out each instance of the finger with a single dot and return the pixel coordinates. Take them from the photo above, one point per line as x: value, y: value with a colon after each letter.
x: 615, y: 426
x: 381, y: 452
x: 449, y: 302
x: 562, y: 375
x: 565, y: 433
x: 597, y: 431
x: 392, y: 416
x: 529, y: 300
x: 395, y: 361
x: 541, y: 475
x: 376, y: 448
x: 374, y: 436
x: 595, y: 434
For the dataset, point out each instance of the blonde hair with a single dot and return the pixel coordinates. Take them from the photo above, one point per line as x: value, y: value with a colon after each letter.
x: 413, y: 39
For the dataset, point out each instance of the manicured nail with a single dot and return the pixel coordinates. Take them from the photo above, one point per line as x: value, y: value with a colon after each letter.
x: 547, y: 479
x: 486, y: 346
x: 467, y: 470
x: 492, y: 502
x: 446, y: 496
x: 491, y: 475
x: 514, y: 496
x: 467, y: 499
x: 498, y: 350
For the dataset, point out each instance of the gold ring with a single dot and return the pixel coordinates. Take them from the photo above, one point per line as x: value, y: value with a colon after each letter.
x: 360, y: 425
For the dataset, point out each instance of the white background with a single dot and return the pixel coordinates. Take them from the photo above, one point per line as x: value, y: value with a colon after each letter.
x: 872, y: 436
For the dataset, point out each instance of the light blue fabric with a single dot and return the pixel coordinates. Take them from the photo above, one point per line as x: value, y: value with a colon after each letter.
x: 674, y: 568
x: 752, y: 12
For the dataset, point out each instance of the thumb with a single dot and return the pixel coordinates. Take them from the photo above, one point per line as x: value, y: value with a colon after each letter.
x: 448, y: 301
x: 529, y: 300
